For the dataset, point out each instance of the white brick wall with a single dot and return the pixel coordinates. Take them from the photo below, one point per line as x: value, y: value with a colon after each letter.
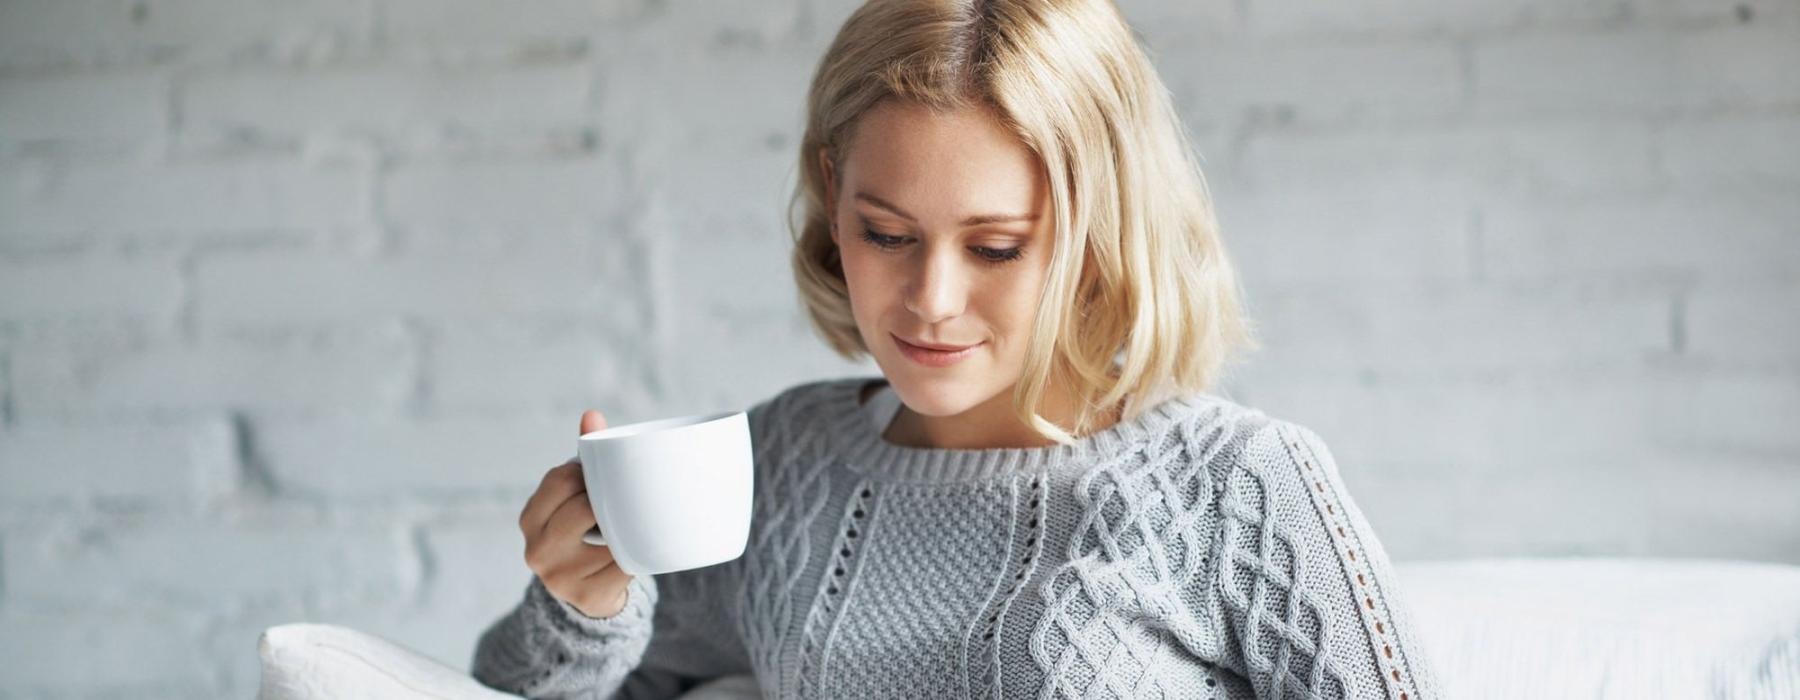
x: 298, y: 300
x: 49, y: 199
x: 183, y: 462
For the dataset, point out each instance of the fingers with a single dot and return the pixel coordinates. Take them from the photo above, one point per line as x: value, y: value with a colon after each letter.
x: 558, y: 485
x: 587, y: 579
x: 604, y: 593
x: 584, y: 576
x: 571, y: 520
x: 554, y: 520
x: 592, y: 421
x: 598, y: 560
x: 564, y: 565
x: 607, y: 575
x: 558, y: 551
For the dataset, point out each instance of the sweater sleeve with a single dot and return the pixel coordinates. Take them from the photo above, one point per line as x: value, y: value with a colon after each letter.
x: 546, y: 648
x: 678, y: 630
x: 1310, y: 602
x: 674, y: 634
x: 697, y: 637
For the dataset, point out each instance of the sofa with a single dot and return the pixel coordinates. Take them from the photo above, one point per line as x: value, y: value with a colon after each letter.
x: 1495, y: 628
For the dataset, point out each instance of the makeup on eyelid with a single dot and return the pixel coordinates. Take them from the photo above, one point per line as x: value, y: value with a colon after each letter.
x: 988, y: 254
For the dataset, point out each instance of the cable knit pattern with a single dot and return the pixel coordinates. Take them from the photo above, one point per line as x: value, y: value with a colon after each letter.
x: 1199, y: 550
x: 546, y: 647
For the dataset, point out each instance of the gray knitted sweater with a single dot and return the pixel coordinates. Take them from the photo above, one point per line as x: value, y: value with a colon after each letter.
x: 1200, y: 550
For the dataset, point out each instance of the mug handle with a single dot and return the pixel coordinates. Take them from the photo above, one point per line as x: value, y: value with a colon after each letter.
x: 592, y: 536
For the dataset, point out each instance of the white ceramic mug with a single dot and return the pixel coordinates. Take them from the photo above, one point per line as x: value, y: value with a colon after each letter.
x: 671, y: 494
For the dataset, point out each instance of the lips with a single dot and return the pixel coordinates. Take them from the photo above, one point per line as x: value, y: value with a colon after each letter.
x: 928, y: 356
x: 935, y: 346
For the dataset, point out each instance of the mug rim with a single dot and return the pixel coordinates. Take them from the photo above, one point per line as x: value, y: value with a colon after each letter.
x: 659, y: 425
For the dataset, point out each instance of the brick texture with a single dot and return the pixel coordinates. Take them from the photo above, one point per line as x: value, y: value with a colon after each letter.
x: 299, y: 300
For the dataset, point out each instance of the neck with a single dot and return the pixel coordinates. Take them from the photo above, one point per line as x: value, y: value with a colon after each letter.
x: 990, y: 424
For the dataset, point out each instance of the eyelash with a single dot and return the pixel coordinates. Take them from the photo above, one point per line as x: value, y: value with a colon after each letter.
x: 992, y: 256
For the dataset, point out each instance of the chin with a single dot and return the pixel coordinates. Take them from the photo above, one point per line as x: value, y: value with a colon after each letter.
x: 941, y: 395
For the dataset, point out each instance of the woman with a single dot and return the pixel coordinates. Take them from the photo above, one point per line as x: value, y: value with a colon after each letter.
x: 1038, y: 497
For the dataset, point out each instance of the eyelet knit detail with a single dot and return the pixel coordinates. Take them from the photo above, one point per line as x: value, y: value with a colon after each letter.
x: 1375, y: 612
x: 857, y: 511
x: 1186, y: 552
x: 793, y: 485
x: 1027, y: 539
x: 839, y: 571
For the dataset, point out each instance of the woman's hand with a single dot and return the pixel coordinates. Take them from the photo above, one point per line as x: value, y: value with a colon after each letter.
x: 554, y: 519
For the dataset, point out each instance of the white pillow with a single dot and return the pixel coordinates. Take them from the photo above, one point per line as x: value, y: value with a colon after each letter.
x: 1609, y: 628
x: 316, y: 662
x: 1536, y: 628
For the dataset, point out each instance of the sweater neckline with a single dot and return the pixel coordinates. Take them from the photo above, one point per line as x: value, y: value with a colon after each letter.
x: 868, y: 453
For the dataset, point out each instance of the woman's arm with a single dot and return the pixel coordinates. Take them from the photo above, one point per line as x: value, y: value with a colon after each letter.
x: 546, y: 648
x: 1310, y: 601
x: 675, y: 633
x: 677, y: 630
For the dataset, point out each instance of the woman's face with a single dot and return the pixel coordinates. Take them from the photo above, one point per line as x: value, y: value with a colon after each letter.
x: 941, y: 220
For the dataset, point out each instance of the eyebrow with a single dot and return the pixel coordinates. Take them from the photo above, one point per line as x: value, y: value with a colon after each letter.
x: 975, y: 220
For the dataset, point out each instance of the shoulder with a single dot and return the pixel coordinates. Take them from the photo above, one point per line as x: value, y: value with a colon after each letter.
x: 1240, y: 441
x: 1271, y: 467
x: 1215, y: 427
x: 1283, y: 449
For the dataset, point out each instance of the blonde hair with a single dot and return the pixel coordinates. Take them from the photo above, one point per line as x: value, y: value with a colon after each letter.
x: 1151, y: 308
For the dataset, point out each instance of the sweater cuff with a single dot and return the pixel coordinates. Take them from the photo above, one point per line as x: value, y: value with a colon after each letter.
x: 632, y: 621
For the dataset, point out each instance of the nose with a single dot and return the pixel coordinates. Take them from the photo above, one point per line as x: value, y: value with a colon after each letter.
x: 939, y: 287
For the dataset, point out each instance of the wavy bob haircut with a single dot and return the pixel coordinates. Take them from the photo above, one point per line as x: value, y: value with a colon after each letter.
x: 1141, y: 302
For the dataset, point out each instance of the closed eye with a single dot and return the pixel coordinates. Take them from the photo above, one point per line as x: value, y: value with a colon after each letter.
x: 996, y: 256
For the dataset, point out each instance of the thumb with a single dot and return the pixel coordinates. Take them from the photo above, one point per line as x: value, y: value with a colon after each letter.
x: 591, y: 421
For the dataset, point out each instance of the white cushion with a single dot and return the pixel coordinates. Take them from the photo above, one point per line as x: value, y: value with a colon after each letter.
x: 317, y: 662
x: 1520, y: 628
x: 314, y: 662
x: 1609, y: 628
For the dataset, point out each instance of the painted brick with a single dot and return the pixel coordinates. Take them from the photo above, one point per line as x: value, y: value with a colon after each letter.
x: 358, y: 372
x: 460, y: 456
x: 386, y: 100
x: 192, y: 461
x: 71, y: 287
x: 251, y: 195
x: 196, y: 565
x: 125, y: 106
x: 1753, y: 153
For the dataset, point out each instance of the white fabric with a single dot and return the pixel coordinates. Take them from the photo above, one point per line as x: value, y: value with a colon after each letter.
x: 1609, y: 628
x: 1545, y: 628
x: 313, y: 662
x: 328, y: 662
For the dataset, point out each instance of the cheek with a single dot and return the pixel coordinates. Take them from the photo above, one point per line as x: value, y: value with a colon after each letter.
x: 1011, y: 313
x: 856, y: 270
x: 862, y: 274
x: 1013, y: 304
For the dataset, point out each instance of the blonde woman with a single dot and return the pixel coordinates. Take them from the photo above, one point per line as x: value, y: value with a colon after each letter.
x: 1038, y: 497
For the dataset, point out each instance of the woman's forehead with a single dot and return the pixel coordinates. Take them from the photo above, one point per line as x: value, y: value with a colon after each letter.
x: 957, y: 163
